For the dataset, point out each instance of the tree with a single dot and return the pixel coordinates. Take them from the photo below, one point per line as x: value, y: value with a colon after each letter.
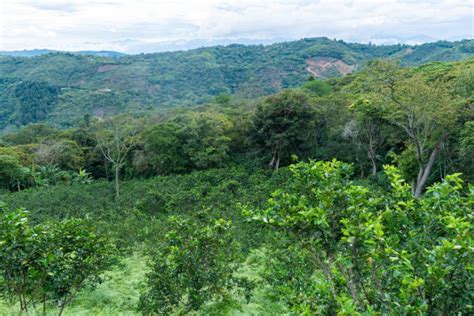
x: 11, y: 171
x: 32, y: 133
x: 426, y: 112
x: 115, y: 139
x: 49, y: 262
x: 223, y: 99
x: 467, y: 148
x: 193, y: 264
x: 367, y: 128
x: 163, y: 148
x: 64, y: 153
x: 206, y: 141
x: 284, y: 124
x: 421, y: 108
x: 383, y: 252
x: 317, y: 87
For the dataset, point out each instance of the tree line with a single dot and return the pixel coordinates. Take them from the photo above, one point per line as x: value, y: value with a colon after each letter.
x: 419, y: 119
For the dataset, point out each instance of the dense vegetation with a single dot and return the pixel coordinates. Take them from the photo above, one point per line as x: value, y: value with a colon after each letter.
x: 347, y: 196
x: 98, y: 85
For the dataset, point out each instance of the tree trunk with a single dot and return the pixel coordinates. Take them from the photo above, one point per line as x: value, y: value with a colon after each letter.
x: 373, y: 161
x: 106, y: 171
x: 117, y: 181
x: 273, y: 159
x: 275, y: 163
x: 372, y: 155
x: 425, y: 171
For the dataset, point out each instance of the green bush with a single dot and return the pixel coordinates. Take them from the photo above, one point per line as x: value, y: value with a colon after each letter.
x: 384, y: 252
x: 48, y: 263
x: 191, y: 265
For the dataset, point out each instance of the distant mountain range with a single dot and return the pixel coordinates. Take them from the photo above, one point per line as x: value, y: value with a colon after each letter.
x: 38, y: 52
x: 60, y: 88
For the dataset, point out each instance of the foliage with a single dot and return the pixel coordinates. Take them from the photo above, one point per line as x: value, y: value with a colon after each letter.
x: 32, y: 133
x: 206, y: 143
x: 367, y: 128
x: 421, y: 106
x: 193, y: 264
x: 45, y: 176
x: 317, y: 87
x: 162, y: 148
x: 11, y: 171
x: 49, y: 262
x: 466, y: 148
x: 284, y: 125
x: 79, y: 84
x: 395, y: 254
x: 64, y: 153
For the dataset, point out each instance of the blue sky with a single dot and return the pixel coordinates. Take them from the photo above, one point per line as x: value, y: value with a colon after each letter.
x: 153, y: 25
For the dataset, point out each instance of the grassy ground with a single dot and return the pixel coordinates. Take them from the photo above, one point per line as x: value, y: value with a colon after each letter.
x: 117, y: 295
x: 150, y: 202
x: 120, y: 292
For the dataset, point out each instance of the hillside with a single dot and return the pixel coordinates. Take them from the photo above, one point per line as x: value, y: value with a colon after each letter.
x: 61, y: 88
x: 39, y: 52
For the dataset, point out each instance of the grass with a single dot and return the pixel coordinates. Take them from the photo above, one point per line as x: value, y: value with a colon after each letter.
x: 117, y: 295
x: 260, y: 302
x: 122, y: 286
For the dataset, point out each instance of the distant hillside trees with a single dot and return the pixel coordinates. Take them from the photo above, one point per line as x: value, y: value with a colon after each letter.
x: 417, y: 118
x: 106, y: 86
x: 35, y: 100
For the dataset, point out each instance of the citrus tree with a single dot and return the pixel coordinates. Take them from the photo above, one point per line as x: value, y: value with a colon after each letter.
x: 372, y: 250
x: 191, y: 265
x: 49, y: 263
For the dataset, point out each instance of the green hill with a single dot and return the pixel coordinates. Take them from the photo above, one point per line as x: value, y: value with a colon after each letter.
x: 60, y: 88
x: 39, y: 52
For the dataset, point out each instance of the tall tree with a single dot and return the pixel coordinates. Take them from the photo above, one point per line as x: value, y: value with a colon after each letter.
x: 11, y: 171
x: 421, y: 107
x: 206, y: 141
x: 426, y: 112
x: 115, y: 139
x: 284, y: 125
x: 64, y: 153
x: 367, y: 128
x: 163, y: 148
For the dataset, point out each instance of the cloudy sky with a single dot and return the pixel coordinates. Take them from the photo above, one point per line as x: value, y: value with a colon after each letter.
x: 152, y: 25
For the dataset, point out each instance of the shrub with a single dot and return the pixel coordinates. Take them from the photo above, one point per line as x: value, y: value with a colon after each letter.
x: 384, y: 252
x: 191, y: 265
x: 50, y: 262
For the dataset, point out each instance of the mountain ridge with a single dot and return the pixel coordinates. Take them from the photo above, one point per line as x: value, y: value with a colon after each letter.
x: 43, y: 51
x: 73, y: 85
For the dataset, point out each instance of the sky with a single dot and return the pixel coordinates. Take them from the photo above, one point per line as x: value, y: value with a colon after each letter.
x: 135, y: 26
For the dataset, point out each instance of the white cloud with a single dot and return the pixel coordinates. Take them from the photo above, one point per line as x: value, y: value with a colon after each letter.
x: 131, y: 25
